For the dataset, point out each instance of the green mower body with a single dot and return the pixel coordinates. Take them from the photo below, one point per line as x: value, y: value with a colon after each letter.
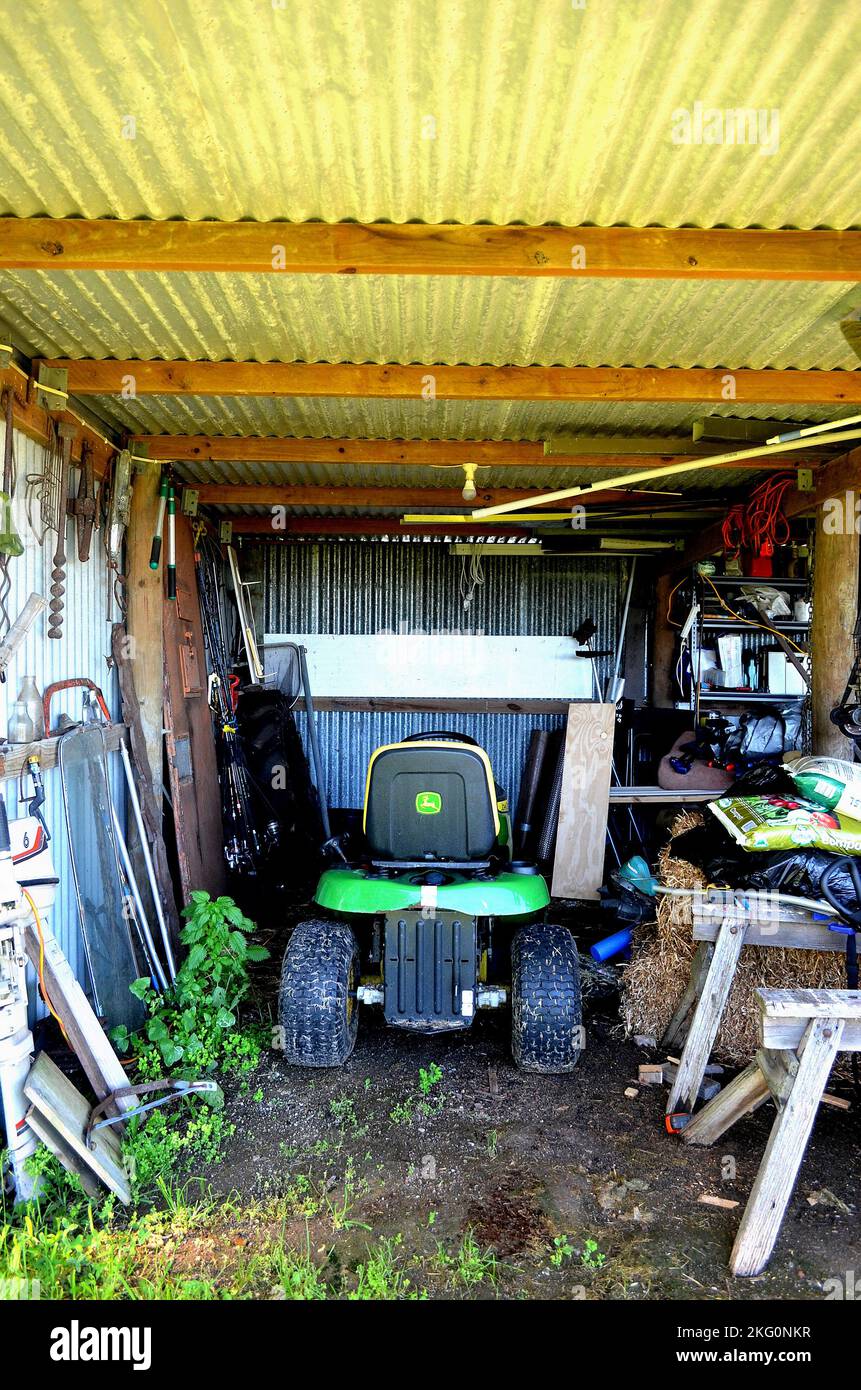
x: 435, y: 923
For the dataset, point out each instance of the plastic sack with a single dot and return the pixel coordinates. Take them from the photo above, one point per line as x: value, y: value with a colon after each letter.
x: 799, y: 872
x: 829, y: 782
x: 784, y: 822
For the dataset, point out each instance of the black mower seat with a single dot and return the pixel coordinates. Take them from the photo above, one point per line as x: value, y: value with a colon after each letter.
x: 431, y: 800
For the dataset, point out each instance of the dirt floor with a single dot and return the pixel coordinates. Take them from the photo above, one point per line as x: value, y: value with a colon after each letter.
x: 574, y: 1187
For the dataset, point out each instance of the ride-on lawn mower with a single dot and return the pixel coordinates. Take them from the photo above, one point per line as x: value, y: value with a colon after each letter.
x: 433, y: 922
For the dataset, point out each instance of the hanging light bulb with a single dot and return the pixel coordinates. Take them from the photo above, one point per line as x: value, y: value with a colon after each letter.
x: 468, y: 493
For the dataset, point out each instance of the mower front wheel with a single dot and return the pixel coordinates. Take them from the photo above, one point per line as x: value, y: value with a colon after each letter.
x: 317, y: 1006
x: 546, y: 1006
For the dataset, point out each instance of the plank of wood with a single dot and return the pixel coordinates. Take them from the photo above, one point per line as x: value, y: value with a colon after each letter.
x: 805, y: 936
x: 190, y: 743
x: 784, y: 1151
x: 53, y: 1140
x: 111, y: 377
x: 742, y: 1096
x: 320, y: 495
x: 67, y: 1112
x: 707, y: 1016
x: 14, y: 759
x: 35, y: 423
x: 809, y: 1003
x: 837, y: 557
x: 262, y: 527
x: 143, y: 615
x: 694, y: 988
x: 87, y: 1038
x: 383, y: 248
x: 779, y: 1069
x: 657, y: 796
x: 595, y: 452
x: 578, y: 868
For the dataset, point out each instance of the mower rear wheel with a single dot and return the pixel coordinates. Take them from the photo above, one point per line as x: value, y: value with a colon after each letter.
x: 546, y: 1005
x: 317, y: 1005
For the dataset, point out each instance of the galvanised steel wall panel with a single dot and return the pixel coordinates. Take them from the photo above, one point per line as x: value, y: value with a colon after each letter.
x: 372, y: 587
x: 81, y: 652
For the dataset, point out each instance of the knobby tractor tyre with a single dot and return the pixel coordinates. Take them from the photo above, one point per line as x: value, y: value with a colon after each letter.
x: 317, y: 1006
x: 546, y: 1005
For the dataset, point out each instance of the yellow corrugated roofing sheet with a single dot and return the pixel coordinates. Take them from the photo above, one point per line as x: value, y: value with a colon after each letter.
x: 436, y: 110
x: 331, y: 318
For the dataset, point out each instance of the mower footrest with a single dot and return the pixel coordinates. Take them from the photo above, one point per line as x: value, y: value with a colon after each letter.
x: 430, y: 970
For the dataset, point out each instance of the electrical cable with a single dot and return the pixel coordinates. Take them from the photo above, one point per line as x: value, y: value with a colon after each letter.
x: 41, y: 967
x: 751, y: 622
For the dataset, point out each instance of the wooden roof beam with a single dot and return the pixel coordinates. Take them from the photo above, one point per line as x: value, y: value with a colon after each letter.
x: 434, y: 453
x: 318, y: 495
x: 109, y: 377
x: 32, y: 421
x: 345, y: 248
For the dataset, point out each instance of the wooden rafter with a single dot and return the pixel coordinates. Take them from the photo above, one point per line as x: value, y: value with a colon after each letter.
x: 289, y: 495
x: 418, y: 249
x: 438, y: 453
x: 354, y: 526
x: 425, y: 384
x: 32, y: 421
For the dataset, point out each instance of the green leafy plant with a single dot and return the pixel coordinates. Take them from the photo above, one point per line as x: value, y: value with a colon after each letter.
x: 592, y: 1257
x: 562, y: 1250
x: 191, y: 1029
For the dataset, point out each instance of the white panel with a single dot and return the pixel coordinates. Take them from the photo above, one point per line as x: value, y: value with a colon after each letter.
x: 401, y: 665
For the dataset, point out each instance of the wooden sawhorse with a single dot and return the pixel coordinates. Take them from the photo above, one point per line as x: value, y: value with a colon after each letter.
x: 723, y: 922
x: 801, y: 1032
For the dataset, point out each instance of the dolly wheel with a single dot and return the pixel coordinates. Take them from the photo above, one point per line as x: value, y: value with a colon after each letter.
x: 317, y: 1006
x: 546, y: 1008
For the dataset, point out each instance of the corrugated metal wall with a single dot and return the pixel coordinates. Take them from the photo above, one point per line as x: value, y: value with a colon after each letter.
x: 367, y: 587
x: 80, y: 652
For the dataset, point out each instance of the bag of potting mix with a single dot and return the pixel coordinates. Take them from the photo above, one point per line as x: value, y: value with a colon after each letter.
x: 829, y: 782
x: 783, y: 822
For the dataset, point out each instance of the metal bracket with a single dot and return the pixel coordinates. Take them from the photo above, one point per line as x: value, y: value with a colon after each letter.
x: 805, y: 479
x: 225, y: 532
x: 189, y: 502
x: 52, y: 392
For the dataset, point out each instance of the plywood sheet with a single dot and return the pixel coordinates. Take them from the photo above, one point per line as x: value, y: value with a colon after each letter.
x: 578, y: 868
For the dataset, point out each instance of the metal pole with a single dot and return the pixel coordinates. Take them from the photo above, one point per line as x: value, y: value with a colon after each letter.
x: 136, y: 898
x: 315, y: 746
x: 610, y: 692
x: 147, y: 858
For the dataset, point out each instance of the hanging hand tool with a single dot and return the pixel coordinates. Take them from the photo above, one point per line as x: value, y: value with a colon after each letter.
x: 71, y: 684
x: 171, y: 541
x: 58, y: 572
x: 83, y: 507
x: 19, y: 629
x: 155, y: 548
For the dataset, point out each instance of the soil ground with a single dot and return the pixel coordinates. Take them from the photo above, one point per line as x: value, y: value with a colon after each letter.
x: 534, y: 1167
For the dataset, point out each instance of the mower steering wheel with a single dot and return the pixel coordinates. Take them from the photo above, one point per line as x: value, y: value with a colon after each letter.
x: 850, y: 865
x: 440, y: 734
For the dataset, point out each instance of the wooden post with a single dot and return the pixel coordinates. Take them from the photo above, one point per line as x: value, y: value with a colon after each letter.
x: 144, y: 617
x: 835, y: 609
x: 663, y: 646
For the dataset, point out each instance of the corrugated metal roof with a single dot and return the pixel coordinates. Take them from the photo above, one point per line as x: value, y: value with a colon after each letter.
x: 429, y: 319
x: 336, y: 418
x: 448, y: 110
x: 362, y: 475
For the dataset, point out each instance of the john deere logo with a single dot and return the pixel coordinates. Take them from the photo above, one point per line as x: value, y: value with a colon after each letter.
x: 428, y: 803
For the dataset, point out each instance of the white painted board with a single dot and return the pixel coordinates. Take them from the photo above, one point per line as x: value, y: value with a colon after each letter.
x: 411, y: 665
